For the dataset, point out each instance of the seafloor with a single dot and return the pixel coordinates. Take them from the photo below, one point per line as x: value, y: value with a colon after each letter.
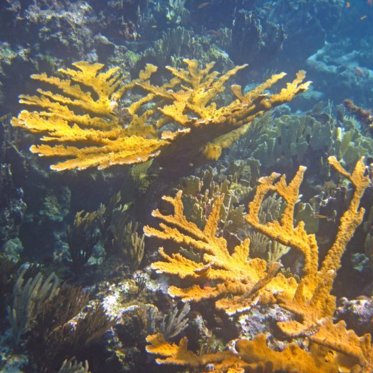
x: 144, y: 222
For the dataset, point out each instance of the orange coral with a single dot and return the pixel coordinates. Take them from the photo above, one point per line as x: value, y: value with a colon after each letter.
x: 239, y: 280
x: 84, y: 113
x: 172, y: 353
x: 84, y: 124
x: 193, y: 104
x: 291, y: 359
x: 249, y: 356
x: 230, y: 272
x: 312, y: 300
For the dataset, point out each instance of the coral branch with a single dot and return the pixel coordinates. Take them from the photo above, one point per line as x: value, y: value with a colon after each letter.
x: 231, y: 271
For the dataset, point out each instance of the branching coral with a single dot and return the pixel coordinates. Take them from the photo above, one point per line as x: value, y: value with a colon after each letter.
x: 193, y: 104
x: 80, y: 122
x: 83, y: 122
x: 313, y: 302
x: 249, y: 356
x: 230, y: 272
x: 312, y: 298
x: 172, y: 353
x: 239, y: 281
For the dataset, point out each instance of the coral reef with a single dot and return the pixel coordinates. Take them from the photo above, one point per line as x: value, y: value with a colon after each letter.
x: 234, y: 181
x: 272, y: 31
x: 120, y: 235
x: 282, y: 286
x: 178, y: 43
x: 357, y: 313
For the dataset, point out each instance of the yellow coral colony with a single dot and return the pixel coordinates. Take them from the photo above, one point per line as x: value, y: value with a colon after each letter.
x: 83, y: 123
x: 237, y: 281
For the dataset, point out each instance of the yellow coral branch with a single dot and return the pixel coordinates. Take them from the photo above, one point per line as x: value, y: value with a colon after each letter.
x: 291, y: 359
x: 231, y: 271
x: 351, y: 219
x: 172, y: 353
x: 250, y: 356
x: 285, y: 230
x: 96, y: 138
x: 83, y: 112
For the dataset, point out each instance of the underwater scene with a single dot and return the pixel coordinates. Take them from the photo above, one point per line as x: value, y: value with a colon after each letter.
x: 186, y: 186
